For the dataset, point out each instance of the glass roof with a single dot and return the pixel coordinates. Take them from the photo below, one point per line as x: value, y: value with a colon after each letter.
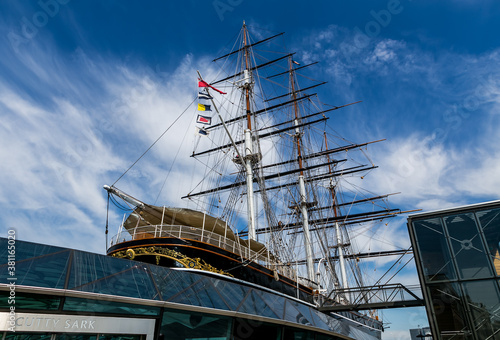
x: 54, y: 267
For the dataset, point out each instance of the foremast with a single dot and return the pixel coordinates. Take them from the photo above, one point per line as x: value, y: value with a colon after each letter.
x: 247, y: 85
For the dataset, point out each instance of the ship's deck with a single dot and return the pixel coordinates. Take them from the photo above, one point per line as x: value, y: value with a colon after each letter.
x: 233, y: 245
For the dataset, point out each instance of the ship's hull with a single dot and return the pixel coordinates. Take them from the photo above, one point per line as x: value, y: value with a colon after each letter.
x: 188, y: 253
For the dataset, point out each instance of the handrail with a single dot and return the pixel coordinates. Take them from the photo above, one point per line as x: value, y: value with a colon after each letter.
x: 187, y: 232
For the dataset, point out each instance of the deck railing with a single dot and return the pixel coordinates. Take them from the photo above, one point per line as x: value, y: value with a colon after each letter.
x: 201, y: 235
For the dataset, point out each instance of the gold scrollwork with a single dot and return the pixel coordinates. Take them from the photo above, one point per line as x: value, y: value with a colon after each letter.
x: 130, y: 253
x: 187, y: 262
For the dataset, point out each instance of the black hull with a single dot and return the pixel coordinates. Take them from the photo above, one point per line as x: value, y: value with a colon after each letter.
x: 153, y: 250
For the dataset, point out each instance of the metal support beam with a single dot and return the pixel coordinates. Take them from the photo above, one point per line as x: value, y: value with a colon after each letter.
x: 372, y: 297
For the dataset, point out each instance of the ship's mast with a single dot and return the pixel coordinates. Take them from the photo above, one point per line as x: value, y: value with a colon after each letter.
x: 302, y: 187
x: 340, y: 243
x: 249, y: 156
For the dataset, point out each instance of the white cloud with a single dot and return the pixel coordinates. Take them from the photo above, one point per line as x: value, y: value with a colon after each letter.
x: 439, y: 112
x: 51, y: 162
x: 440, y: 115
x: 74, y: 123
x: 414, y: 167
x: 434, y: 176
x: 385, y: 51
x: 70, y: 124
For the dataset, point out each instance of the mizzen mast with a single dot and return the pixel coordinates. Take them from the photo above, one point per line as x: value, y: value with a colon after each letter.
x: 303, y: 205
x: 340, y: 243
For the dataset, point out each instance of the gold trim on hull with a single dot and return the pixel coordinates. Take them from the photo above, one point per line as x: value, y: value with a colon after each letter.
x: 158, y: 252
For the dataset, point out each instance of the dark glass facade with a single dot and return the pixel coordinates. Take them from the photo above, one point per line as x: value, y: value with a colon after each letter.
x: 458, y: 261
x: 78, y: 289
x: 68, y: 336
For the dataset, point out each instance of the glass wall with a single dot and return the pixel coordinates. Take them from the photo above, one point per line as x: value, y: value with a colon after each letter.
x: 252, y: 329
x: 27, y: 336
x: 184, y: 325
x: 457, y: 255
x: 431, y: 242
x: 489, y: 220
x: 187, y: 328
x: 76, y: 274
x: 69, y: 336
x: 188, y: 325
x: 178, y: 325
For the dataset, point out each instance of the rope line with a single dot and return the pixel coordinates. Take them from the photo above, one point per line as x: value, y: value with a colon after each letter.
x: 157, y: 139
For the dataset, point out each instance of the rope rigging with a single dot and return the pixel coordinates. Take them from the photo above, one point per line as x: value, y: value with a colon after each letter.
x: 156, y: 141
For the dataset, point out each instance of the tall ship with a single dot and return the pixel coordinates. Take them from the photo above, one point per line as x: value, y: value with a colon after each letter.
x: 279, y: 195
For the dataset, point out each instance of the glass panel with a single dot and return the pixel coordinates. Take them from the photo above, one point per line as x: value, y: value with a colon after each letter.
x: 182, y: 287
x: 304, y: 317
x: 191, y: 325
x: 297, y: 334
x: 469, y: 253
x: 101, y: 306
x: 201, y: 293
x: 448, y: 306
x: 232, y: 293
x: 293, y: 314
x: 3, y: 251
x: 245, y: 329
x: 109, y: 275
x: 490, y: 224
x: 26, y: 250
x: 171, y: 282
x: 47, y: 271
x: 321, y: 336
x: 484, y: 303
x: 27, y: 336
x: 118, y: 337
x: 434, y: 252
x: 322, y: 321
x: 275, y: 302
x: 72, y: 336
x: 254, y: 304
x: 31, y: 301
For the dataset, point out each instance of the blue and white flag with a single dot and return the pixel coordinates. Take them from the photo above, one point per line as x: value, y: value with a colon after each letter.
x: 202, y: 95
x: 201, y: 131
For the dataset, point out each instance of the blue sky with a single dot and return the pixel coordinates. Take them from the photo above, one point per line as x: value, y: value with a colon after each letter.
x: 86, y: 86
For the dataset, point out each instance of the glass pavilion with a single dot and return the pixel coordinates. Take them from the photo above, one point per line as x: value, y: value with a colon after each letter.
x: 457, y: 256
x: 68, y: 294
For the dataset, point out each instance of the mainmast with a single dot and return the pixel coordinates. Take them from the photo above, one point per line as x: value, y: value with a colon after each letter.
x: 247, y: 84
x: 302, y: 187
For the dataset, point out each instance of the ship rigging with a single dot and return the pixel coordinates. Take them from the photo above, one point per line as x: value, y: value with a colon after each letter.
x: 280, y: 197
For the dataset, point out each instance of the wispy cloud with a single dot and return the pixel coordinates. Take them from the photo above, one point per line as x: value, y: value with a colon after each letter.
x: 71, y: 123
x: 439, y: 109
